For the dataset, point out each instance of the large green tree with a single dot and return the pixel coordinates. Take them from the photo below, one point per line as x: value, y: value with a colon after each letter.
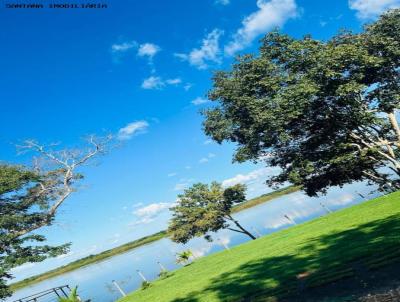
x: 30, y: 199
x: 322, y: 111
x: 203, y: 208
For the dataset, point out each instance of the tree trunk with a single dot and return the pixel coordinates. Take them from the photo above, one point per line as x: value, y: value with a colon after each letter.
x: 242, y: 229
x: 395, y: 125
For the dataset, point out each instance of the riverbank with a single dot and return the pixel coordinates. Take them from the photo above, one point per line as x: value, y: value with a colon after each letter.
x: 91, y: 259
x: 350, y: 244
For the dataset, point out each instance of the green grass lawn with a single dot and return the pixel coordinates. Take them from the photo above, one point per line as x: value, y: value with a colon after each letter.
x: 311, y: 254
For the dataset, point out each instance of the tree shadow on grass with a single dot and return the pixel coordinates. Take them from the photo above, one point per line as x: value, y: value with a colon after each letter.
x: 319, y: 261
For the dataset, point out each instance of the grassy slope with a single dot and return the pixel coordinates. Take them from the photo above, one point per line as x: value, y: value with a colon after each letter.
x: 325, y: 249
x: 137, y: 243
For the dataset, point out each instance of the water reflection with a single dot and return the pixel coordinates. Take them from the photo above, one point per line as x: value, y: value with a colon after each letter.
x: 95, y: 281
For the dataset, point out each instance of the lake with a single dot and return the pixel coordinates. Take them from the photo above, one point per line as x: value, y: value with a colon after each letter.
x: 95, y: 280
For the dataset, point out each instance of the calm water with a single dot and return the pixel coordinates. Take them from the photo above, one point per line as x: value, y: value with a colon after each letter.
x: 95, y: 281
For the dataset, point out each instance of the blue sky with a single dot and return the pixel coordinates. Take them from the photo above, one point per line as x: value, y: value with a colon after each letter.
x: 141, y: 70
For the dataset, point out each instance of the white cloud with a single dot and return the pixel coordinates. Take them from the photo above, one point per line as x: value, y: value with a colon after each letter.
x: 183, y: 184
x: 207, y: 159
x: 144, y: 220
x: 154, y: 82
x: 369, y: 9
x: 148, y: 50
x: 123, y: 47
x: 254, y: 180
x: 222, y: 2
x: 203, y: 160
x: 172, y: 174
x: 246, y: 178
x: 132, y: 129
x: 269, y: 15
x: 199, y: 101
x: 137, y: 205
x: 152, y: 210
x: 175, y: 81
x: 187, y: 86
x: 208, y: 52
x: 208, y: 141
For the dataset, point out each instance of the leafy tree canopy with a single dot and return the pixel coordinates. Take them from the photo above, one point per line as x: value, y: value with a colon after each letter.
x: 322, y: 111
x: 205, y: 208
x: 22, y: 206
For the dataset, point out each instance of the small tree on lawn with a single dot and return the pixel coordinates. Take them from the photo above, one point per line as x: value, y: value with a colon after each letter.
x: 206, y: 208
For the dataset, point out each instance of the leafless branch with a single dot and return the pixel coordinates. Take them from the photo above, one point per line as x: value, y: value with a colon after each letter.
x: 58, y: 180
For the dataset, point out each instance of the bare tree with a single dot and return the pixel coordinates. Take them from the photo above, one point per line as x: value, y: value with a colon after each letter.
x: 58, y: 171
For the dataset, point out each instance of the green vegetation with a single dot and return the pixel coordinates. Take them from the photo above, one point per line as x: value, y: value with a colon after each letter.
x: 72, y: 297
x: 145, y: 285
x: 23, y: 206
x: 203, y: 209
x: 184, y: 257
x: 326, y: 249
x: 323, y: 111
x: 137, y: 243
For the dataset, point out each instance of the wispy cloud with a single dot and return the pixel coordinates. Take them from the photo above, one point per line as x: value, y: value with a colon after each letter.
x: 153, y: 209
x: 172, y: 174
x: 203, y: 160
x: 222, y: 2
x: 175, y: 81
x: 269, y: 15
x: 148, y: 50
x: 132, y: 129
x: 115, y: 238
x: 254, y: 180
x: 155, y: 82
x: 370, y: 9
x: 249, y: 177
x: 183, y: 184
x: 209, y: 51
x: 207, y: 158
x: 149, y: 213
x: 199, y: 101
x: 123, y: 47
